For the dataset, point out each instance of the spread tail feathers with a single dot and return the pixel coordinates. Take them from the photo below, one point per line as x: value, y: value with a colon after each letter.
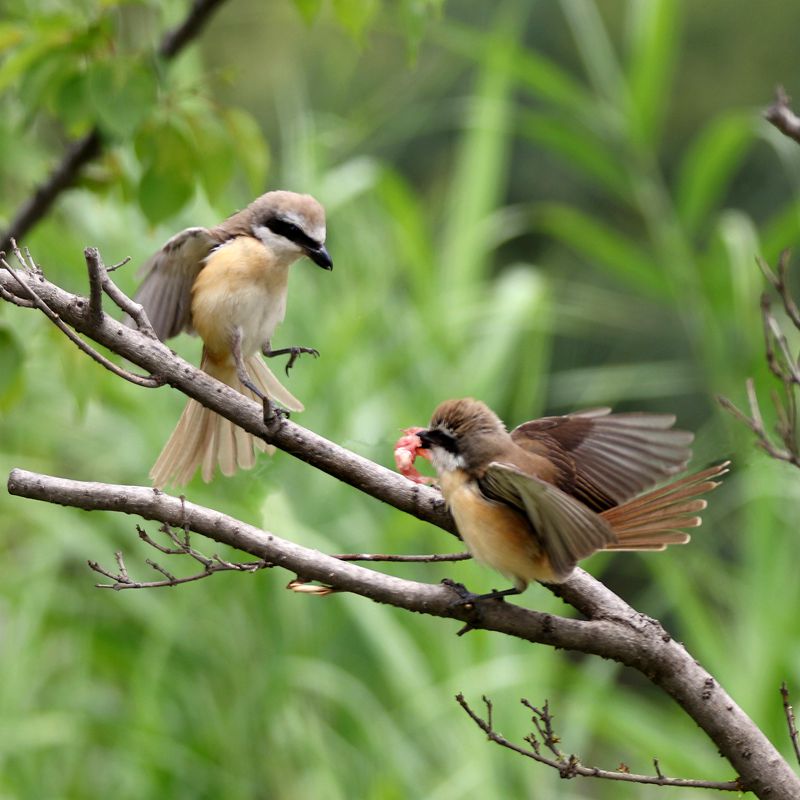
x: 656, y: 519
x: 202, y: 438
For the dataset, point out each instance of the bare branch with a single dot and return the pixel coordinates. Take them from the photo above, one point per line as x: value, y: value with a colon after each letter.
x: 211, y: 565
x: 90, y: 147
x: 157, y: 359
x: 146, y: 381
x: 782, y: 117
x: 790, y: 721
x: 433, y: 558
x: 783, y: 365
x: 570, y: 766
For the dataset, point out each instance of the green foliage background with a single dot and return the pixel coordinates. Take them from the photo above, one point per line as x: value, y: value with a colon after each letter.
x: 545, y: 205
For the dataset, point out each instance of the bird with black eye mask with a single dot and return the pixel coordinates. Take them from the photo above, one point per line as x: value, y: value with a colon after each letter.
x: 533, y: 502
x: 228, y: 284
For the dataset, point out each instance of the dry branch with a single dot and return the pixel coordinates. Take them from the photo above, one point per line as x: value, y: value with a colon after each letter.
x: 782, y: 117
x: 570, y: 766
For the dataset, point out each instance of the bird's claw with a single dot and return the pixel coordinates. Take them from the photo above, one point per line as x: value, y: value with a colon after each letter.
x: 296, y: 352
x: 273, y: 413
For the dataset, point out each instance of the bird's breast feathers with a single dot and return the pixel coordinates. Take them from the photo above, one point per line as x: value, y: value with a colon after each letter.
x: 496, y: 534
x: 241, y: 285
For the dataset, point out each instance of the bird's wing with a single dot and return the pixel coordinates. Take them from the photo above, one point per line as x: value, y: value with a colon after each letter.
x: 166, y: 290
x: 568, y: 531
x: 605, y: 459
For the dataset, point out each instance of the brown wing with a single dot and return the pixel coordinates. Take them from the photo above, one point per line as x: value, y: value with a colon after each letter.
x: 166, y: 291
x: 605, y: 459
x: 567, y: 530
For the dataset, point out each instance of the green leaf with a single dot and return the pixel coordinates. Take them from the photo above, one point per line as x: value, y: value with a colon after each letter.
x: 251, y: 148
x: 355, y: 15
x: 168, y: 181
x: 215, y: 150
x: 599, y: 59
x: 652, y: 52
x: 10, y: 35
x: 710, y: 165
x: 11, y: 374
x: 622, y: 258
x: 481, y: 161
x: 72, y: 102
x: 123, y: 92
x: 542, y: 77
x: 309, y: 9
x: 579, y: 148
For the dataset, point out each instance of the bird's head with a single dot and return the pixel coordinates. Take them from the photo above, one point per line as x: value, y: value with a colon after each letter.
x: 291, y: 225
x: 463, y: 434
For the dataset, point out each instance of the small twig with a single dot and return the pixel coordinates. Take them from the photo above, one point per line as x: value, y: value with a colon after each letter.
x: 100, y: 281
x: 782, y: 117
x: 211, y: 565
x: 403, y: 559
x: 115, y: 267
x: 570, y: 766
x: 783, y: 365
x: 147, y: 381
x: 790, y: 720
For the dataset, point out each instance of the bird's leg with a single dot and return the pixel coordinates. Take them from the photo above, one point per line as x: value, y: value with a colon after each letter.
x: 473, y: 602
x: 272, y: 410
x: 241, y: 369
x: 293, y: 353
x: 465, y: 597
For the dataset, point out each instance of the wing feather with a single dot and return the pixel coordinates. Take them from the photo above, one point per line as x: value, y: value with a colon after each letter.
x: 568, y: 531
x: 166, y: 289
x: 604, y: 458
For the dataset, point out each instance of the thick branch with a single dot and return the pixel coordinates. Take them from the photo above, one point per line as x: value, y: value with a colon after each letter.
x: 616, y: 630
x: 157, y: 359
x: 87, y: 149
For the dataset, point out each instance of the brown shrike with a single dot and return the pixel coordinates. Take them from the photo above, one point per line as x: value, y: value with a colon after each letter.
x: 533, y: 502
x: 228, y: 284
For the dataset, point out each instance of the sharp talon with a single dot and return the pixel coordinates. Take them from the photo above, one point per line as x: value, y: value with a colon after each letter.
x: 273, y: 412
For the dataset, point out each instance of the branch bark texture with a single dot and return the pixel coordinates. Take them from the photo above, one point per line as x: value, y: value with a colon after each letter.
x: 612, y: 629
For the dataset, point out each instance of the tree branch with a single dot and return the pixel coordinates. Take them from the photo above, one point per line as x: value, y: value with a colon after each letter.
x: 782, y: 117
x: 83, y: 151
x: 570, y: 766
x: 612, y: 629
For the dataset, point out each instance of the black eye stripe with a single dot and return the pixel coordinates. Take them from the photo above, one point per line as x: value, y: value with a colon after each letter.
x: 290, y: 231
x: 442, y: 439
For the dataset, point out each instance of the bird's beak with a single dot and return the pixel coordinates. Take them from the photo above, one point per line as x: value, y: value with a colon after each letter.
x: 424, y: 437
x: 320, y: 256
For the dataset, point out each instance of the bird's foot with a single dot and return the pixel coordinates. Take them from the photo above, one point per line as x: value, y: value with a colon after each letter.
x: 274, y: 414
x: 466, y: 597
x: 293, y: 352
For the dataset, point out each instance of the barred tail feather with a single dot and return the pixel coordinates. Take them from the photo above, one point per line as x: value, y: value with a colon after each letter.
x: 202, y: 438
x: 657, y: 518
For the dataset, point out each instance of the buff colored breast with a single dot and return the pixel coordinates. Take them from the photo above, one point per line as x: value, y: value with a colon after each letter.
x: 495, y: 534
x: 241, y: 285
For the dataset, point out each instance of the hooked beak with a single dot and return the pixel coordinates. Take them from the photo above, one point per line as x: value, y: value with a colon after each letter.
x: 425, y: 437
x: 319, y: 255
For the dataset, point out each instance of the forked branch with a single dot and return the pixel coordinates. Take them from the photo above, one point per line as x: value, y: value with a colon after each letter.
x: 544, y: 739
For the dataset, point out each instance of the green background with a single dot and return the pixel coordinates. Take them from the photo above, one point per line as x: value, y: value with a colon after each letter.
x: 547, y: 205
